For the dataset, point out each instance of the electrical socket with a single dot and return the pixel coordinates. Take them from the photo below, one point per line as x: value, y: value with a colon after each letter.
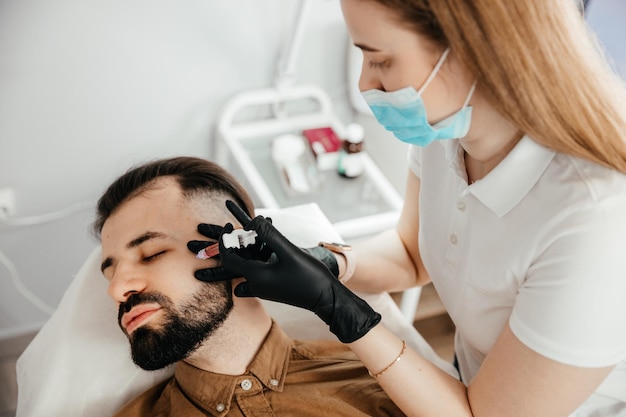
x: 7, y: 203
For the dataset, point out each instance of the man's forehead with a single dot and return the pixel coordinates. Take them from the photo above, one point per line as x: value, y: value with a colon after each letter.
x: 164, y: 202
x: 211, y: 207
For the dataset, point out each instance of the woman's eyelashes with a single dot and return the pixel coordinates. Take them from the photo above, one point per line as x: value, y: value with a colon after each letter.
x: 379, y: 64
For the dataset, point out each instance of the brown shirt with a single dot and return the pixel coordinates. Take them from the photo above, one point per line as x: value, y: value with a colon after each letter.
x: 286, y: 378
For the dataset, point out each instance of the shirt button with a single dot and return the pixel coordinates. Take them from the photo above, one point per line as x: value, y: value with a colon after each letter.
x: 246, y: 384
x: 453, y: 239
x: 274, y: 382
x: 220, y: 408
x: 460, y: 205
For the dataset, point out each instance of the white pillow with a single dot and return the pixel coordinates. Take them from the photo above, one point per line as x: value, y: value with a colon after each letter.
x: 79, y: 363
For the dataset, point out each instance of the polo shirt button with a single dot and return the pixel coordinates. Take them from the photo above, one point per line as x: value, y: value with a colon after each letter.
x: 453, y: 239
x: 220, y: 408
x: 246, y: 384
x: 460, y: 205
x: 274, y: 382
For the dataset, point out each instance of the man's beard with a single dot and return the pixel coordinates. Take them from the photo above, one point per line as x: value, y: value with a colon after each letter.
x: 183, y: 328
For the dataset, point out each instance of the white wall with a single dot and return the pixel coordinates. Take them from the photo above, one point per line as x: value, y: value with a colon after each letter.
x: 89, y: 88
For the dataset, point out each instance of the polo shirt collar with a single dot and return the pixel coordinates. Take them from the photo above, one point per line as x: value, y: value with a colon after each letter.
x: 511, y: 180
x: 214, y: 392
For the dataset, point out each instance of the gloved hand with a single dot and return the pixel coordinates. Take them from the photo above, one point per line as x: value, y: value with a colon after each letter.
x: 218, y: 273
x: 293, y: 276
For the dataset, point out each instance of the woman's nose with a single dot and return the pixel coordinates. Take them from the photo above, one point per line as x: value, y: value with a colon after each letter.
x: 369, y: 80
x: 125, y: 282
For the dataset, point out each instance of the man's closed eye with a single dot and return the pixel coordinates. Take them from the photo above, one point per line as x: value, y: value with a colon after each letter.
x: 153, y: 257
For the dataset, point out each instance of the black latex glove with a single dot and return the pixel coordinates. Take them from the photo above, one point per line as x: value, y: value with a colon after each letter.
x: 293, y: 276
x: 219, y: 273
x: 213, y: 231
x: 326, y: 256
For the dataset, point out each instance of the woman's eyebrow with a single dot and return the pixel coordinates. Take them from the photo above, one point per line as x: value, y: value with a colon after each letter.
x: 366, y: 48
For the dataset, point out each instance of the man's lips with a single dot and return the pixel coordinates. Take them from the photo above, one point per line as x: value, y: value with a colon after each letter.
x: 138, y: 315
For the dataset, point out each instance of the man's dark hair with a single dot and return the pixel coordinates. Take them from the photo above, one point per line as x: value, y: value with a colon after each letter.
x: 194, y: 175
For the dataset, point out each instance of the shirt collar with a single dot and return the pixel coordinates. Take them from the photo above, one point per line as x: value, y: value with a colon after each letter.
x: 509, y: 182
x: 214, y: 392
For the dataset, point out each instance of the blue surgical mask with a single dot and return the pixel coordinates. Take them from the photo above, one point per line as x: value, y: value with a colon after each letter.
x: 403, y: 113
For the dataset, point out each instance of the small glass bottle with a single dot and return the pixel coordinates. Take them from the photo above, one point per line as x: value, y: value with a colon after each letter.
x: 349, y: 164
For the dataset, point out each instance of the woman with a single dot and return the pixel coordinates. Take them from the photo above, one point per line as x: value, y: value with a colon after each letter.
x: 514, y: 208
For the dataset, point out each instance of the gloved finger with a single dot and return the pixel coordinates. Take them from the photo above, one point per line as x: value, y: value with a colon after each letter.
x: 273, y: 238
x: 264, y: 251
x: 253, y: 252
x: 227, y: 229
x: 196, y: 246
x: 218, y: 273
x: 241, y: 216
x: 233, y: 261
x: 212, y: 231
x: 244, y: 290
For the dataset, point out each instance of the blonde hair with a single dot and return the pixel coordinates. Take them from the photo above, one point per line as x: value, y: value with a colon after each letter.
x: 539, y: 63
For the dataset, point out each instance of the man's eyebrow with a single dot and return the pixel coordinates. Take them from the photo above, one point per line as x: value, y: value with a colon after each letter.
x: 134, y: 243
x: 145, y: 237
x: 105, y: 264
x: 366, y: 48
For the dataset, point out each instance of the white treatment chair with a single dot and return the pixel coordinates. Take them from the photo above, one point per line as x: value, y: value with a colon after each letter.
x: 79, y: 363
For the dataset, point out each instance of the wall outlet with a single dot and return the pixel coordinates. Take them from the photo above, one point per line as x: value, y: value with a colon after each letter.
x: 7, y: 203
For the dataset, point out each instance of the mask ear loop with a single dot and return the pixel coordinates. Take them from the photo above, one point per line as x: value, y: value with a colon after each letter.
x: 434, y: 72
x: 469, y: 96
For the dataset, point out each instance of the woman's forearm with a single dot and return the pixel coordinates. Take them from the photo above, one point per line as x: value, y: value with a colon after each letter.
x: 383, y: 264
x: 417, y: 387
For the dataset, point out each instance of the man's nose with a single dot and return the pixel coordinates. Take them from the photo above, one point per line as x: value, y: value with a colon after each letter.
x: 126, y: 281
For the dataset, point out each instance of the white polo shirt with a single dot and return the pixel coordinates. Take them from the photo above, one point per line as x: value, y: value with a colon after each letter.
x: 540, y: 243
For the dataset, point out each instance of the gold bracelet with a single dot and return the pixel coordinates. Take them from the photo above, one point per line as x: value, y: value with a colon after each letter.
x: 396, y: 360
